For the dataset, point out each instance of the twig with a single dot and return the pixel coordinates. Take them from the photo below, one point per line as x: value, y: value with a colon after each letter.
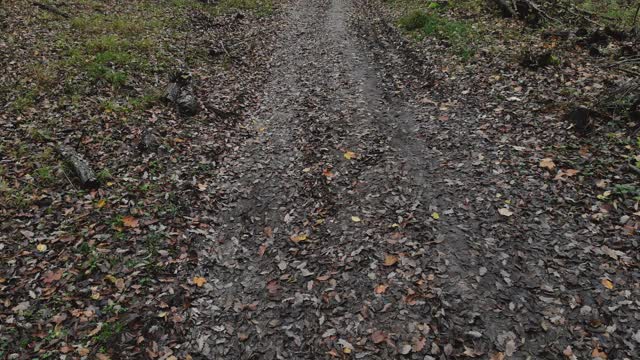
x: 50, y: 9
x: 69, y: 180
x: 224, y: 48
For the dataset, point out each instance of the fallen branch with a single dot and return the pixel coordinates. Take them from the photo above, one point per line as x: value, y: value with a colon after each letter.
x: 51, y: 9
x: 80, y: 167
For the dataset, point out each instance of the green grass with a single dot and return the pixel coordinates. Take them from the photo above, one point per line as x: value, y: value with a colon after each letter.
x: 459, y: 34
x: 613, y: 12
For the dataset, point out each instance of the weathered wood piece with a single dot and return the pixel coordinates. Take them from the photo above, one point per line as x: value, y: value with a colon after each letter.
x: 80, y: 167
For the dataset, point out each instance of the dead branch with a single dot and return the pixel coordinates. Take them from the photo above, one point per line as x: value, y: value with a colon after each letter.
x: 80, y: 167
x: 51, y: 9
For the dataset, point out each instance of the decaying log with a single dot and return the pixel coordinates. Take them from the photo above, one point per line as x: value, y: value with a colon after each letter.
x: 80, y: 167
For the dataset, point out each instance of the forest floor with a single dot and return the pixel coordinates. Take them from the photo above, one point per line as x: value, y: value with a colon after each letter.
x: 350, y: 187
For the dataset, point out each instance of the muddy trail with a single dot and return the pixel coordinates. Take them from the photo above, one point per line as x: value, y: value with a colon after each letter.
x: 358, y: 224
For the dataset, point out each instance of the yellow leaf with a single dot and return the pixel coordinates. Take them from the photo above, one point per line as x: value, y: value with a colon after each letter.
x: 607, y: 283
x: 199, y: 281
x: 130, y: 221
x: 349, y: 155
x: 101, y: 203
x: 347, y: 350
x: 547, y: 163
x: 355, y: 219
x: 41, y: 247
x: 435, y: 215
x: 95, y: 296
x: 299, y: 237
x: 111, y: 278
x: 163, y: 314
x: 390, y: 260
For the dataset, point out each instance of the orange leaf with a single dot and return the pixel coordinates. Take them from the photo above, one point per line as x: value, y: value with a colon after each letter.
x: 199, y: 281
x: 130, y: 222
x: 390, y: 260
x: 597, y: 354
x: 607, y: 283
x: 380, y: 289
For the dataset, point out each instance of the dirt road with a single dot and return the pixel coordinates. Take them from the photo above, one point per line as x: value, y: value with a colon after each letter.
x: 359, y: 223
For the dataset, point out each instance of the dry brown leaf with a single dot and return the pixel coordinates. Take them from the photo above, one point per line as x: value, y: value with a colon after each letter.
x: 130, y: 222
x: 51, y: 276
x: 380, y: 289
x: 378, y: 336
x: 419, y: 344
x: 598, y: 354
x: 547, y: 163
x: 390, y: 260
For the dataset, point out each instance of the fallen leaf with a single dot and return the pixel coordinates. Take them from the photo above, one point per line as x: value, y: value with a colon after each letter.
x: 130, y: 222
x: 419, y: 344
x: 378, y: 336
x: 199, y: 281
x: 82, y: 351
x: 51, y: 276
x: 349, y: 155
x: 390, y: 260
x: 435, y: 215
x: 41, y: 247
x: 273, y: 288
x: 607, y: 283
x: 300, y: 237
x: 380, y: 289
x: 101, y: 203
x: 547, y: 163
x: 505, y: 212
x: 355, y: 219
x: 598, y: 354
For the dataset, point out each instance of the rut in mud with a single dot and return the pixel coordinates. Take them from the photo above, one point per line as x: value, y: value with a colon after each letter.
x: 354, y: 223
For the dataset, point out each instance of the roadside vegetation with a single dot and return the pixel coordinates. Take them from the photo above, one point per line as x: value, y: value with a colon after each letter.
x: 90, y: 272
